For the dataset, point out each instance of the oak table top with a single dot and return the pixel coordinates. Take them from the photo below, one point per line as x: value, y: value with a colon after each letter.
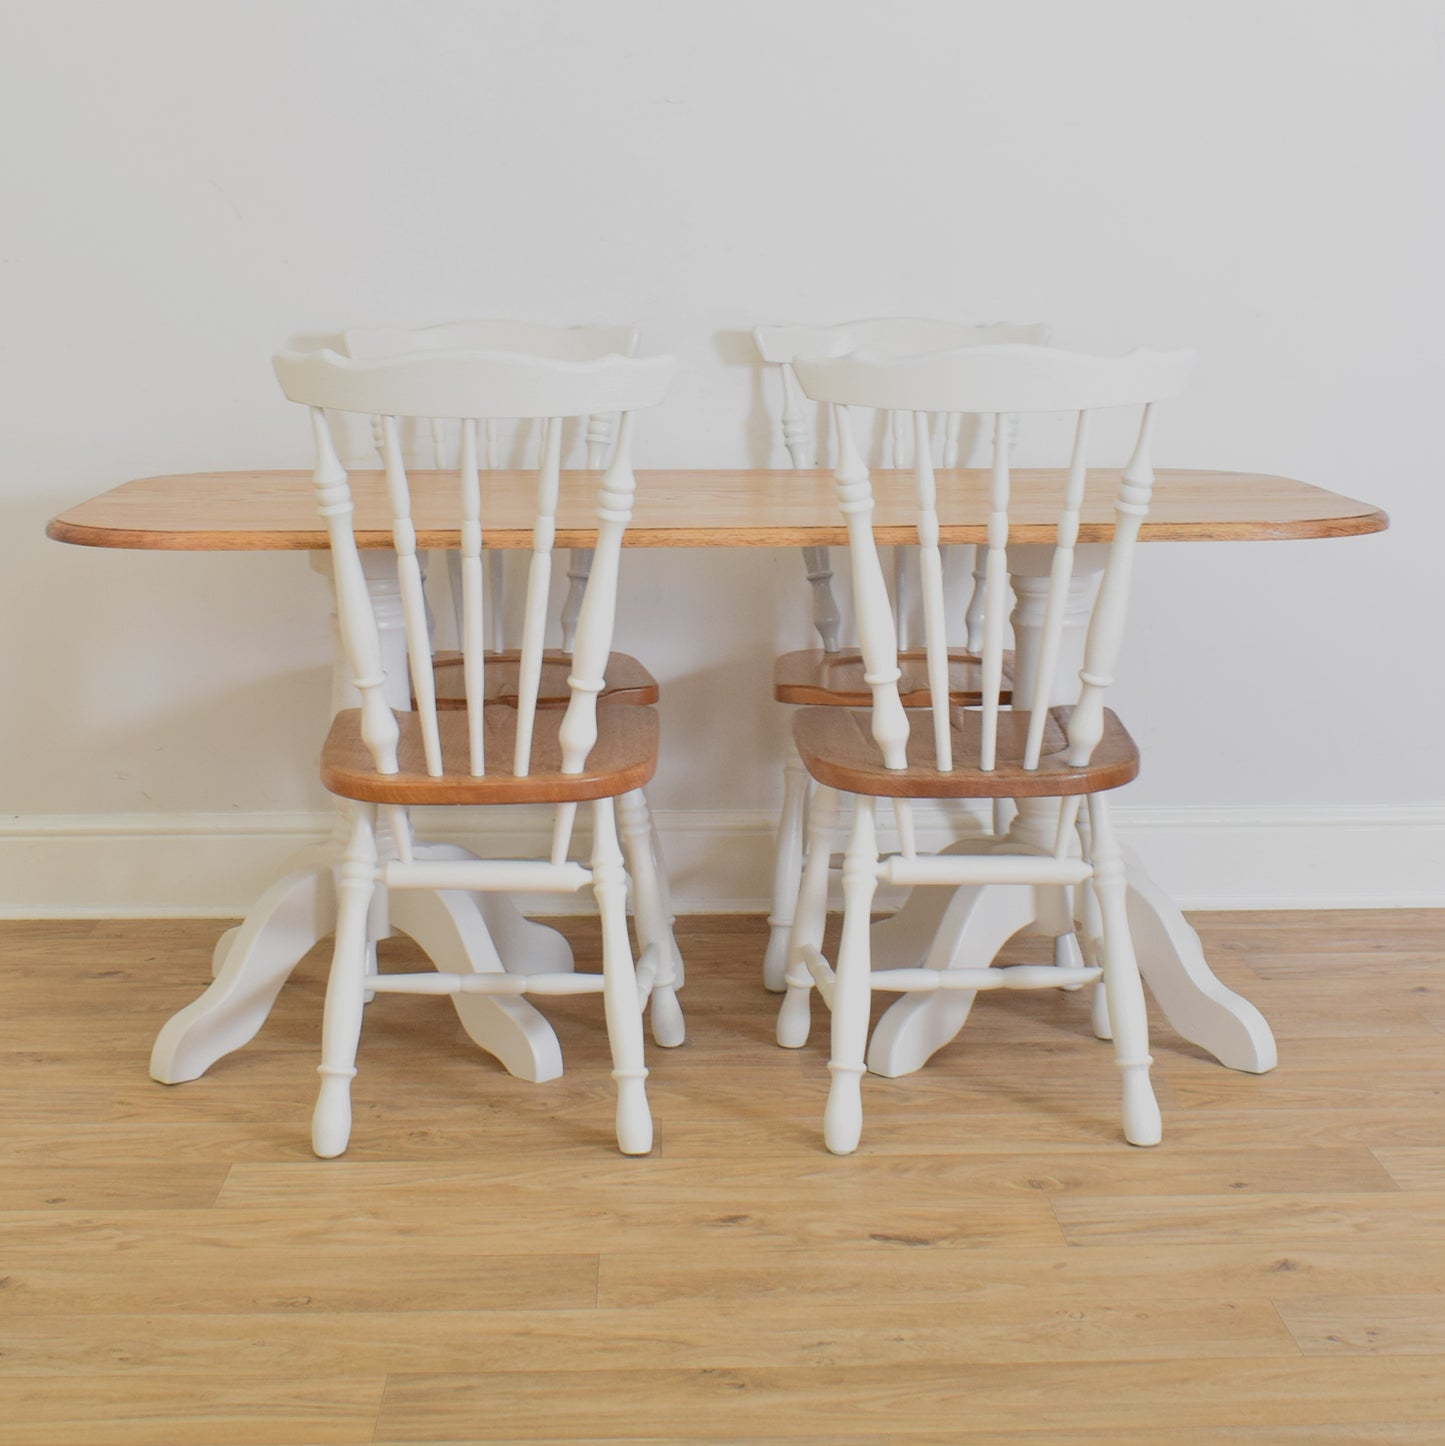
x: 758, y: 507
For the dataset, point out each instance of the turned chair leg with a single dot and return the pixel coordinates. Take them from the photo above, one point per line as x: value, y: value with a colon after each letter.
x: 346, y: 987
x: 619, y: 991
x: 1090, y: 934
x: 843, y: 1117
x: 795, y: 1016
x: 654, y: 931
x: 1127, y: 1015
x: 664, y: 893
x: 787, y: 870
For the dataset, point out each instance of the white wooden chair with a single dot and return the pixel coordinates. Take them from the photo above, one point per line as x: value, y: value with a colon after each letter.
x: 385, y: 762
x: 561, y: 343
x: 832, y: 676
x: 978, y: 752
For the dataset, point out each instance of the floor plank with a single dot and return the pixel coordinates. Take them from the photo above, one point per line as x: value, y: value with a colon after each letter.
x: 993, y: 1265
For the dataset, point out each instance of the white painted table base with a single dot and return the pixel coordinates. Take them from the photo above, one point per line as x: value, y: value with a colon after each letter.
x: 966, y: 928
x: 459, y: 932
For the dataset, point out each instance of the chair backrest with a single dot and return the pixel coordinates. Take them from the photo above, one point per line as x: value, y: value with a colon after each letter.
x: 997, y: 381
x: 474, y: 387
x: 527, y: 338
x: 886, y: 336
x: 782, y: 345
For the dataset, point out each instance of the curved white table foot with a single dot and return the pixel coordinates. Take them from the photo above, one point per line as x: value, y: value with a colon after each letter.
x: 252, y: 962
x: 977, y: 922
x: 905, y: 939
x: 973, y: 929
x: 223, y: 947
x: 453, y: 932
x: 525, y: 946
x: 297, y: 911
x: 1195, y: 1003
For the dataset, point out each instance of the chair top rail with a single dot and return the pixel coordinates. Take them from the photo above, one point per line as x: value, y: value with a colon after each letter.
x: 474, y: 383
x: 1009, y: 379
x: 888, y: 336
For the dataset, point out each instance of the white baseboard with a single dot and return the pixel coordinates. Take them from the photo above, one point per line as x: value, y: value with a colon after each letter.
x: 207, y: 864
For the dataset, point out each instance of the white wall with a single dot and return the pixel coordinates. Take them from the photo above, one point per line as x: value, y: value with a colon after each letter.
x: 189, y: 184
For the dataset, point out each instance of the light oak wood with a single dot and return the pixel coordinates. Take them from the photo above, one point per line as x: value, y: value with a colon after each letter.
x: 961, y: 1402
x: 811, y: 677
x: 623, y: 758
x: 271, y: 511
x: 991, y: 1266
x: 837, y: 748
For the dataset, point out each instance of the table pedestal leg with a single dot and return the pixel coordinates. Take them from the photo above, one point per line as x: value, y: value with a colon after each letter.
x: 453, y: 933
x: 284, y: 923
x: 968, y: 931
x: 1195, y: 1003
x: 977, y: 922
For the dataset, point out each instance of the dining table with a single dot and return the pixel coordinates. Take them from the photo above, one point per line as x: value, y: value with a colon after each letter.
x: 273, y: 510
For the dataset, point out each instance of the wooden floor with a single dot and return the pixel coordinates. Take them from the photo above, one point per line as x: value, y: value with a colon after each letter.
x: 994, y: 1265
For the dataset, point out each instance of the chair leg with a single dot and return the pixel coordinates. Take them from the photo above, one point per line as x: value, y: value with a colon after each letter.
x: 794, y: 1018
x: 619, y: 985
x: 843, y: 1118
x: 664, y: 894
x: 1125, y: 992
x: 1090, y: 934
x: 653, y: 929
x: 787, y: 870
x: 346, y: 987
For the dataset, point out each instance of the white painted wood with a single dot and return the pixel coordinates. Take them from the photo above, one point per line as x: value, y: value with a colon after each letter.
x: 1197, y: 1006
x: 935, y: 627
x: 843, y: 1114
x: 873, y: 614
x: 473, y: 608
x: 1061, y: 576
x: 283, y: 925
x: 569, y: 343
x: 654, y: 927
x: 624, y: 1018
x: 1001, y: 381
x: 808, y: 920
x: 413, y: 598
x: 787, y: 870
x: 539, y: 590
x: 600, y: 433
x: 970, y: 926
x: 459, y: 937
x: 474, y: 386
x: 595, y: 622
x: 341, y: 1024
x: 558, y: 343
x: 781, y: 346
x: 1129, y: 1024
x: 889, y: 336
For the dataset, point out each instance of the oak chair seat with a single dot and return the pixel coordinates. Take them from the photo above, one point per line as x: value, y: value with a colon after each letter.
x: 838, y: 750
x: 814, y: 678
x: 625, y: 680
x: 623, y: 758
